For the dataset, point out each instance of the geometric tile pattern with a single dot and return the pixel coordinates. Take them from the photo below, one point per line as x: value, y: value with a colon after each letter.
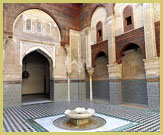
x: 134, y: 91
x: 153, y: 92
x: 83, y: 48
x: 60, y: 91
x: 11, y: 95
x: 77, y: 90
x: 15, y: 119
x: 115, y: 92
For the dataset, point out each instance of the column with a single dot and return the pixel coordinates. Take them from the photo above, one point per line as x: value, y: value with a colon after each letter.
x: 115, y: 83
x: 111, y: 40
x: 68, y: 70
x: 90, y: 71
x: 152, y: 62
x: 68, y: 92
x: 114, y: 69
x: 149, y: 31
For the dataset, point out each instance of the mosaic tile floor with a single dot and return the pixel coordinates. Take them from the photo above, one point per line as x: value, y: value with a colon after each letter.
x: 107, y: 123
x: 16, y: 119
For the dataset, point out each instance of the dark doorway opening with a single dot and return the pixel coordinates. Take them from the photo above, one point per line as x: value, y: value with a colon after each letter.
x: 36, y: 81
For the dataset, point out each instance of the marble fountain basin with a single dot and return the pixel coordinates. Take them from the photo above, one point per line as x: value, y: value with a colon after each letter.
x: 79, y: 116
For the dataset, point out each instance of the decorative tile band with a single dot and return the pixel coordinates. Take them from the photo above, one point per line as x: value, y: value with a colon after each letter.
x: 115, y: 80
x: 12, y: 82
x: 65, y: 81
x: 153, y: 79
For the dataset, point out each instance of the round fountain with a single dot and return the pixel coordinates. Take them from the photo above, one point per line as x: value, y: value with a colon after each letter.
x: 79, y: 119
x: 79, y: 116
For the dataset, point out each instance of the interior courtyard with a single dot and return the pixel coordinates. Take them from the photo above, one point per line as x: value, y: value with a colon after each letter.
x: 61, y: 56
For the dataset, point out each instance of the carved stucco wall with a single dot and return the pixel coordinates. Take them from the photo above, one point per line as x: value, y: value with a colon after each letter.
x: 30, y: 41
x: 11, y: 64
x: 83, y: 49
x: 27, y: 47
x: 156, y: 10
x: 83, y: 52
x: 77, y: 56
x: 60, y: 65
x: 74, y: 44
x: 35, y: 15
x: 65, y: 15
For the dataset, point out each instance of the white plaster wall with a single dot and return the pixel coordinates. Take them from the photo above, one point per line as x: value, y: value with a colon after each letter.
x: 137, y: 14
x: 100, y: 14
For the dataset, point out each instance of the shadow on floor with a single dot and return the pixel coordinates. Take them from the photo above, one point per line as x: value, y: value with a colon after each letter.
x: 35, y: 99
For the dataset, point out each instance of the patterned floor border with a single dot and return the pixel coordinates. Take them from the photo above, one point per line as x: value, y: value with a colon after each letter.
x: 40, y: 128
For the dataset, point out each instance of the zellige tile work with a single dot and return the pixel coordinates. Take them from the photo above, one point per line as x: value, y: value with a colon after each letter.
x: 15, y: 119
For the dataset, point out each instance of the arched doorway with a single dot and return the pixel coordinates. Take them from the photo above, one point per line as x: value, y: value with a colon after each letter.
x: 134, y: 85
x: 36, y: 78
x: 36, y: 31
x: 100, y: 79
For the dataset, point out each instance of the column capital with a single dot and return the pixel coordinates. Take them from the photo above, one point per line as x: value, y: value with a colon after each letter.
x: 90, y: 70
x: 68, y: 74
x: 86, y: 32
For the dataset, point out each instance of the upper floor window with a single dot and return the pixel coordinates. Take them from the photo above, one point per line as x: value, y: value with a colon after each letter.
x: 128, y: 18
x: 38, y: 27
x: 48, y: 29
x: 99, y: 31
x: 28, y: 25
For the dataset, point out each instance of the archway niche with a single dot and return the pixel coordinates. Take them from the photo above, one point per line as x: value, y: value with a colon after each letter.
x: 36, y: 74
x: 38, y: 33
x: 100, y: 79
x: 134, y: 85
x: 98, y: 16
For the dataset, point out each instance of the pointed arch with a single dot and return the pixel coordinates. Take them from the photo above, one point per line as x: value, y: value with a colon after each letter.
x: 45, y: 52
